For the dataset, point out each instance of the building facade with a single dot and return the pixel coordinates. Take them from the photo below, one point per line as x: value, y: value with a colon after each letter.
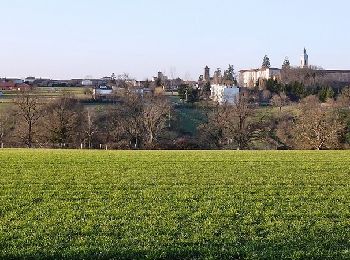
x: 250, y: 78
x: 224, y: 94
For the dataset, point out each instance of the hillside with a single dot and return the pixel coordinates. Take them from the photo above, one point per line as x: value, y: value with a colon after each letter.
x: 165, y: 204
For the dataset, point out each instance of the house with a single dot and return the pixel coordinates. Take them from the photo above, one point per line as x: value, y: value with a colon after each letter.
x: 7, y: 85
x: 87, y: 82
x: 224, y: 94
x: 102, y: 92
x: 41, y: 82
x: 249, y: 78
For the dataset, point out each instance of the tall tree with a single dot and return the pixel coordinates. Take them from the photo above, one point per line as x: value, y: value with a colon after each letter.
x: 138, y: 121
x: 155, y: 115
x: 63, y: 121
x: 229, y: 76
x: 233, y: 126
x: 286, y: 63
x: 29, y: 112
x: 266, y: 62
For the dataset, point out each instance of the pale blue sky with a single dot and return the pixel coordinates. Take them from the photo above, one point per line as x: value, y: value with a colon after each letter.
x: 76, y: 38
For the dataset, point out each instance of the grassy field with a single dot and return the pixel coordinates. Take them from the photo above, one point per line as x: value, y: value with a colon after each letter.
x: 174, y: 205
x: 46, y: 93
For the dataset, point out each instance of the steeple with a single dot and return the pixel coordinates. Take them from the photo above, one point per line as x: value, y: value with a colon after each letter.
x: 304, y: 60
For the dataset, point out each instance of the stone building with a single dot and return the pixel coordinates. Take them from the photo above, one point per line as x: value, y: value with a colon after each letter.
x: 308, y: 75
x: 250, y: 78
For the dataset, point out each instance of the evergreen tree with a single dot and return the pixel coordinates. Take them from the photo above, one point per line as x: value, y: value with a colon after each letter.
x: 325, y: 93
x: 188, y: 94
x: 229, y: 74
x: 266, y: 62
x: 286, y: 63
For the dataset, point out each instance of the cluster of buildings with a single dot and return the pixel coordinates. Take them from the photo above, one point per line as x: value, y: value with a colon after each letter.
x: 249, y: 78
x: 13, y: 84
x: 222, y: 91
x: 224, y: 87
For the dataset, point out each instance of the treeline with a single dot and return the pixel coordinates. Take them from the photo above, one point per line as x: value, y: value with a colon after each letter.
x: 309, y: 124
x: 151, y: 122
x: 136, y: 122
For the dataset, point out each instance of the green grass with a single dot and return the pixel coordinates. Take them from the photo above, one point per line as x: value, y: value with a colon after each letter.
x: 102, y: 205
x: 45, y: 94
x: 189, y: 117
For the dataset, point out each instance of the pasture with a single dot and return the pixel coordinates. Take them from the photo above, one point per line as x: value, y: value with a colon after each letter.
x: 174, y: 204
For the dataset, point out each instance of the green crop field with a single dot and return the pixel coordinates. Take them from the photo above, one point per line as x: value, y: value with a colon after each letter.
x: 174, y: 205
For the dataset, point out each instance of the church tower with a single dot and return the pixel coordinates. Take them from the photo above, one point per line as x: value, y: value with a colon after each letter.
x: 304, y: 60
x: 207, y: 74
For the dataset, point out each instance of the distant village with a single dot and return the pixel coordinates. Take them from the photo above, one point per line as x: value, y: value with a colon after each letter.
x: 261, y: 108
x: 223, y: 86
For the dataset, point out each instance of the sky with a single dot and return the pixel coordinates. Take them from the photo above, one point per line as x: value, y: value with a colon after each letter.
x: 65, y: 39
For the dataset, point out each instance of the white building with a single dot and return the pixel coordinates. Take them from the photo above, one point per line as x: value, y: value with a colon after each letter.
x: 87, y: 82
x: 102, y: 92
x: 224, y: 94
x: 249, y: 78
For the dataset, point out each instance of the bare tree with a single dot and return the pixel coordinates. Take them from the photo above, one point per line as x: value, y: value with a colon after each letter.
x: 29, y: 111
x: 233, y: 126
x: 63, y: 121
x: 124, y: 81
x: 212, y: 134
x: 130, y: 115
x: 238, y: 123
x: 280, y: 100
x: 155, y: 115
x: 317, y: 126
x: 138, y: 121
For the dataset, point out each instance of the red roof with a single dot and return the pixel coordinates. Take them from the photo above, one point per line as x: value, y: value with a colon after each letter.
x: 7, y: 85
x: 10, y: 85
